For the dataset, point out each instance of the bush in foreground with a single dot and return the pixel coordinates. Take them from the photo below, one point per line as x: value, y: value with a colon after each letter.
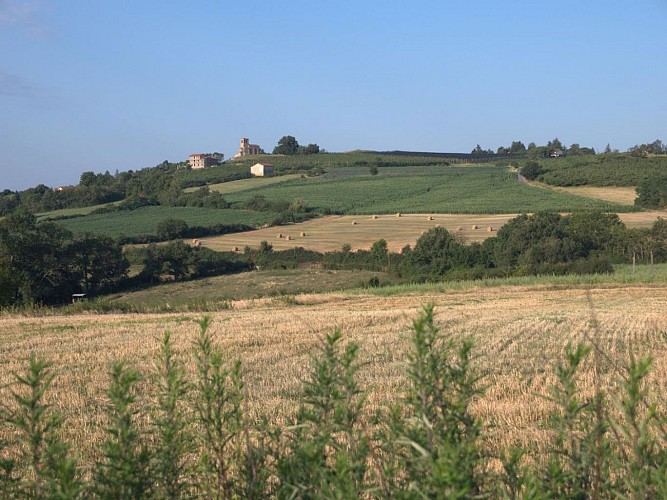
x: 199, y: 442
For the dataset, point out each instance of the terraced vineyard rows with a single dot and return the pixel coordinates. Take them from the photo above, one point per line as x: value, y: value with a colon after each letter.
x: 489, y: 190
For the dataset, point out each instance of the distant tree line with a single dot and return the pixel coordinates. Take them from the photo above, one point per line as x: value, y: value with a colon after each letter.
x: 44, y: 263
x: 543, y: 243
x: 288, y: 145
x: 535, y: 151
x: 160, y: 185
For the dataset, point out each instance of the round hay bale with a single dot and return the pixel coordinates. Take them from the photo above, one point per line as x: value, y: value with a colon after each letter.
x: 474, y: 226
x: 430, y: 217
x: 194, y: 242
x: 279, y: 236
x: 288, y: 238
x: 489, y: 229
x: 375, y: 217
x: 303, y: 234
x: 354, y: 223
x: 398, y: 214
x: 235, y: 249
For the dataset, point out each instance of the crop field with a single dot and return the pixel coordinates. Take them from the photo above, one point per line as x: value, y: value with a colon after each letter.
x: 456, y: 190
x: 601, y: 170
x: 144, y: 220
x: 66, y: 212
x: 336, y: 160
x: 329, y: 233
x: 520, y: 334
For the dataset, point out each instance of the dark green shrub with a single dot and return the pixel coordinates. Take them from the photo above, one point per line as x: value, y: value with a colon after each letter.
x: 531, y: 170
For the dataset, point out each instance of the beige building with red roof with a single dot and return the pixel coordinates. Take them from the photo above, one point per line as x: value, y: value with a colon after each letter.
x: 202, y: 160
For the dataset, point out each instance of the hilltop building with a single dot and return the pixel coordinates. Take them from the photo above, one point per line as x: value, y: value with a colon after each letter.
x: 261, y: 169
x: 248, y: 149
x: 202, y: 160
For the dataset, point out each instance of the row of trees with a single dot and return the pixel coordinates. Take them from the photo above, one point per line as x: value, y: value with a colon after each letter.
x: 45, y: 263
x: 544, y: 243
x: 288, y: 145
x: 533, y: 150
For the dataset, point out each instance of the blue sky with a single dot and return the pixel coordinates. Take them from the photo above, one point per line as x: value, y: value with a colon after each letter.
x: 99, y: 85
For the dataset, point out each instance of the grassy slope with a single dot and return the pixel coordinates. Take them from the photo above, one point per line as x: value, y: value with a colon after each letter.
x: 602, y: 170
x: 245, y: 184
x: 217, y: 292
x: 443, y: 190
x: 219, y: 289
x: 144, y: 220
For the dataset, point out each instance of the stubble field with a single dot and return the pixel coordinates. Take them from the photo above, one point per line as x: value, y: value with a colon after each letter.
x: 330, y: 233
x: 520, y: 334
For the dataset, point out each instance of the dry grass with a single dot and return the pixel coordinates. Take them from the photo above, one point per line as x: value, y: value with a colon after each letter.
x: 521, y: 332
x: 614, y: 194
x: 326, y: 234
x: 623, y: 195
x: 245, y: 184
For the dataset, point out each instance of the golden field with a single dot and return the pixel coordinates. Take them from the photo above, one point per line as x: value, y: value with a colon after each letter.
x: 520, y: 333
x: 330, y: 233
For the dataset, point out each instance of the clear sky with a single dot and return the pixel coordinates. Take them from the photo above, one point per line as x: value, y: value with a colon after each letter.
x: 101, y: 85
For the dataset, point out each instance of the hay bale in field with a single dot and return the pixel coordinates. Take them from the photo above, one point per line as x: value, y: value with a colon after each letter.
x: 375, y: 217
x: 398, y: 214
x: 194, y: 242
x: 474, y: 226
x: 235, y: 249
x: 354, y: 223
x: 288, y: 238
x: 430, y: 217
x: 489, y: 229
x: 303, y: 234
x: 279, y: 235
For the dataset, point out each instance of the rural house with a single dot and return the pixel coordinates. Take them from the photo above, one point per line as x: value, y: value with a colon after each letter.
x: 201, y: 160
x: 248, y: 149
x: 557, y: 153
x: 261, y: 169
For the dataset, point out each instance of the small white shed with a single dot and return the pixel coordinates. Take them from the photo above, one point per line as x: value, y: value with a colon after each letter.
x: 261, y: 169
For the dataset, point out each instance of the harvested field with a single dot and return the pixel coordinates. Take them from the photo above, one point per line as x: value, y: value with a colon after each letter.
x: 520, y: 334
x: 613, y: 194
x: 330, y: 233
